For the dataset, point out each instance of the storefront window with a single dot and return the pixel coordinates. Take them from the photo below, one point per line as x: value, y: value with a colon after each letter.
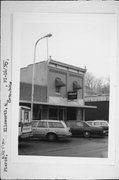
x: 26, y: 116
x: 56, y: 113
x: 71, y: 113
x: 36, y: 112
x: 53, y: 113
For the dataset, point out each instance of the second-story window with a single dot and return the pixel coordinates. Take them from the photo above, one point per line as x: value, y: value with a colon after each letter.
x: 58, y: 84
x: 76, y: 86
x: 57, y: 89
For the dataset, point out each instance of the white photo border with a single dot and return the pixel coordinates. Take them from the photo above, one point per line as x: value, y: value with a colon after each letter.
x: 57, y: 167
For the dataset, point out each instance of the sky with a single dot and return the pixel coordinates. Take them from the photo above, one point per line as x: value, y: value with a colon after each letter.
x: 82, y: 40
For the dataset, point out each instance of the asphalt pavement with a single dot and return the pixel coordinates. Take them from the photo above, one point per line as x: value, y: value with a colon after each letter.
x: 76, y: 147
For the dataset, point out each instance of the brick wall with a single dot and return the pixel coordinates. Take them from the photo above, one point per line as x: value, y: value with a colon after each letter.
x: 39, y: 91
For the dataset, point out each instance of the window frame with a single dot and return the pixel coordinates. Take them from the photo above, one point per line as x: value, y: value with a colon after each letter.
x: 53, y: 125
x: 46, y: 124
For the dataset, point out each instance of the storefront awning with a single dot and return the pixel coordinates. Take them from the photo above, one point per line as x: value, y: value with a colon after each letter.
x: 59, y: 101
x: 76, y: 85
x: 59, y: 82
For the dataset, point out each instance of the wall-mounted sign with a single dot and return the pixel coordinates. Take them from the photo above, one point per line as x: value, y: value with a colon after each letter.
x: 72, y: 95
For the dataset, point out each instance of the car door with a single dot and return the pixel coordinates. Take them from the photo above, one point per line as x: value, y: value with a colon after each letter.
x: 76, y: 128
x: 42, y: 129
x: 80, y: 128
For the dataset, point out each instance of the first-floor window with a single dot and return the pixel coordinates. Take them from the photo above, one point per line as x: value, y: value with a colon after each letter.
x: 57, y: 113
x: 53, y: 113
x: 26, y: 116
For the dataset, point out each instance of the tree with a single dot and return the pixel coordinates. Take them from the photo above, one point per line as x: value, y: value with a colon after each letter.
x: 95, y: 85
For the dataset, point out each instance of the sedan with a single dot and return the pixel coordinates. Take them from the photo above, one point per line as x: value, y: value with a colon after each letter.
x: 81, y: 128
x: 99, y: 123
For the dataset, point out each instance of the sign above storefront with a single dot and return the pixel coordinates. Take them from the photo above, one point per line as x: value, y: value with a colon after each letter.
x: 72, y: 95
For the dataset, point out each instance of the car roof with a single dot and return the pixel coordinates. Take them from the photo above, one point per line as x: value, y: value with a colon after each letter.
x: 97, y: 121
x: 75, y: 121
x: 100, y: 120
x: 48, y: 120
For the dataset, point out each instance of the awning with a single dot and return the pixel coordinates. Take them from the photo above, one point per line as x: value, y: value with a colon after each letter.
x: 59, y: 101
x: 76, y: 85
x: 59, y: 82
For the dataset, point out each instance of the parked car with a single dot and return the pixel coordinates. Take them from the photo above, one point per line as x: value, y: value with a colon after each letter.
x: 100, y: 123
x: 50, y: 129
x: 81, y: 128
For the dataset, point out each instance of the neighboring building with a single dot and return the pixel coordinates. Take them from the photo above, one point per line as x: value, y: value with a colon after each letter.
x: 58, y: 90
x: 102, y: 110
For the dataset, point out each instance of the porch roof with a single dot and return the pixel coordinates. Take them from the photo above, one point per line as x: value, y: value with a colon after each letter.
x: 59, y: 101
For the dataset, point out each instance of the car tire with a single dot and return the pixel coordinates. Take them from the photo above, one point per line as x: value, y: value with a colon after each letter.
x: 51, y: 137
x: 86, y: 134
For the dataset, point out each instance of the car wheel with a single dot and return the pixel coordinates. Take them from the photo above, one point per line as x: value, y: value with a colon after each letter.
x: 86, y: 134
x: 51, y: 137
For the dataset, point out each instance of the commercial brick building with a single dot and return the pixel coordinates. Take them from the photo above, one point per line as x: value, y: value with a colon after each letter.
x: 58, y: 90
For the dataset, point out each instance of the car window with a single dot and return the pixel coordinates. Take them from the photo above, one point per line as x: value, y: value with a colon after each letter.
x: 104, y: 124
x: 55, y: 125
x: 34, y: 123
x: 42, y: 124
x: 96, y: 123
x: 90, y: 123
x: 71, y: 124
x: 85, y: 124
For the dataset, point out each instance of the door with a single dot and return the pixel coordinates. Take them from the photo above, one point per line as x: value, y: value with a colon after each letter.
x: 80, y: 128
x: 42, y: 129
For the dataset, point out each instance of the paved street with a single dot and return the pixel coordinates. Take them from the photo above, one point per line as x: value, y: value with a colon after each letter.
x: 77, y: 147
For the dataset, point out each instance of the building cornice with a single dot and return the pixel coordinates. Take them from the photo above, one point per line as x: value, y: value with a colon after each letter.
x: 67, y: 66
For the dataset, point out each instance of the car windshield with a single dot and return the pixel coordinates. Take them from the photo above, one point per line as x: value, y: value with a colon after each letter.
x: 89, y: 123
x: 80, y: 124
x: 86, y: 124
x: 71, y: 123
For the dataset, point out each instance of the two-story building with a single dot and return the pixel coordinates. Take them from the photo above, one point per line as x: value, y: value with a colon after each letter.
x: 58, y: 90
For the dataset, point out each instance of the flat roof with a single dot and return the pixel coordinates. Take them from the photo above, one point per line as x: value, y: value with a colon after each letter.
x: 67, y: 65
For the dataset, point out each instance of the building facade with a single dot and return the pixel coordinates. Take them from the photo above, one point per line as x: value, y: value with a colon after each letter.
x: 58, y: 90
x: 102, y: 110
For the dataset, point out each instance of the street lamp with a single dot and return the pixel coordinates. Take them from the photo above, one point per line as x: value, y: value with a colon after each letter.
x: 33, y: 73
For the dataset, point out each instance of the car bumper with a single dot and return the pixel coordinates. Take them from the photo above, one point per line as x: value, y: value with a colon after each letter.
x: 26, y: 135
x: 64, y: 136
x: 105, y: 132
